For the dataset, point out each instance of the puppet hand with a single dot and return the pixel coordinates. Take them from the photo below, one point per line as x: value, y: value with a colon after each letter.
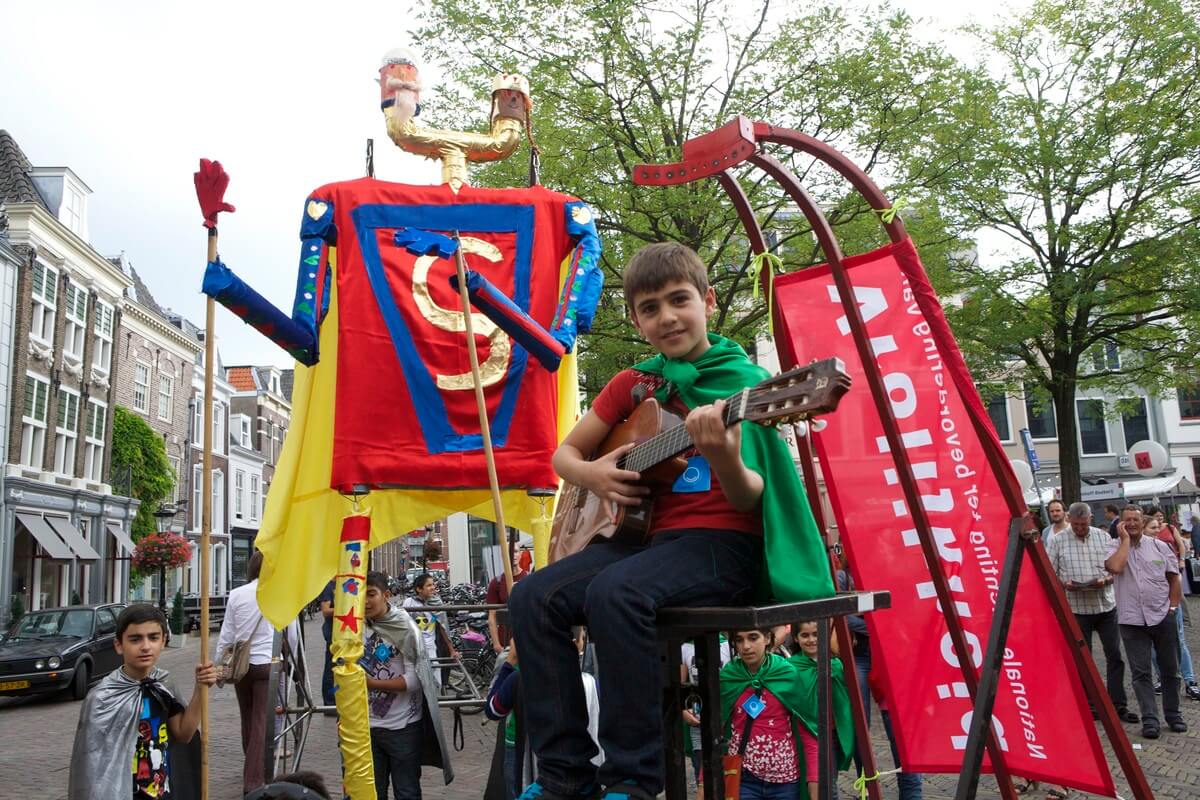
x: 211, y: 181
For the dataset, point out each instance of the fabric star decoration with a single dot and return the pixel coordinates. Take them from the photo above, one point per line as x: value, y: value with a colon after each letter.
x: 348, y: 620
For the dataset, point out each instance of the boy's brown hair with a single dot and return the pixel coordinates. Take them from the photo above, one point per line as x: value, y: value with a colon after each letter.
x: 656, y: 265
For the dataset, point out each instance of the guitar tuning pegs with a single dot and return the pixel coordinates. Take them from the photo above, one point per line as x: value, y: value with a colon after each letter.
x: 800, y: 428
x: 819, y: 425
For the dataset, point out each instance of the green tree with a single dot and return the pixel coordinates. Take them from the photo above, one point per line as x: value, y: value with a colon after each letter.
x: 620, y: 83
x: 1085, y: 154
x: 137, y: 448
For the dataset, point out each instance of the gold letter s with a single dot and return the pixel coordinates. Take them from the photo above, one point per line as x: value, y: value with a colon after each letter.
x: 491, y: 371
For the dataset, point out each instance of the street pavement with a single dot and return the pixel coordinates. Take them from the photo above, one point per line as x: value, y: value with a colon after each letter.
x: 36, y: 735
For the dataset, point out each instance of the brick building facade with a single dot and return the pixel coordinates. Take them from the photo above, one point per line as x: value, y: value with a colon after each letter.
x: 64, y: 535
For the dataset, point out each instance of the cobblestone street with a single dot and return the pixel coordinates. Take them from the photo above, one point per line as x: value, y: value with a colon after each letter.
x: 36, y: 737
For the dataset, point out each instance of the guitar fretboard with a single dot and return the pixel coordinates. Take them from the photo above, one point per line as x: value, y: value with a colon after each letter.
x: 674, y: 441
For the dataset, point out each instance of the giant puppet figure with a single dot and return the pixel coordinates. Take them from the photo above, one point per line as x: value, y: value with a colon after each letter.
x: 385, y: 433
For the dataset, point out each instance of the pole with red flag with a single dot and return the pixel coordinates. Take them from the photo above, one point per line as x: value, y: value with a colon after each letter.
x: 211, y: 182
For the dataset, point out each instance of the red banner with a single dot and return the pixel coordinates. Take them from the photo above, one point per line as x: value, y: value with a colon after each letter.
x: 1041, y: 716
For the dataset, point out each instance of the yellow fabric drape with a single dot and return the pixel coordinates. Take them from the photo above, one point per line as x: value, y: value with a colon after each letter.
x: 303, y: 515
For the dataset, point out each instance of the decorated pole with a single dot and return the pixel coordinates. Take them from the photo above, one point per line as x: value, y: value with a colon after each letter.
x: 211, y: 182
x: 460, y: 268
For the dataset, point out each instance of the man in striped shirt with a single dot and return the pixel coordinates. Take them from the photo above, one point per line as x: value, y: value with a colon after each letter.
x: 1077, y: 556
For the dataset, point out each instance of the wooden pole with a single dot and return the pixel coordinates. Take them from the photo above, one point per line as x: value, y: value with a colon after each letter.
x: 210, y: 357
x: 460, y: 267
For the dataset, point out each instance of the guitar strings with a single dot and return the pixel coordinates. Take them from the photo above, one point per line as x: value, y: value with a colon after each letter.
x: 669, y: 443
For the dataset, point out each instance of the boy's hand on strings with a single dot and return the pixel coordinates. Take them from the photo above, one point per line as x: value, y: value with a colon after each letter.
x: 610, y: 482
x: 721, y: 445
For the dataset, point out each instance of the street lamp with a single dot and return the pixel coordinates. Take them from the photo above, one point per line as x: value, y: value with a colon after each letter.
x: 163, y: 518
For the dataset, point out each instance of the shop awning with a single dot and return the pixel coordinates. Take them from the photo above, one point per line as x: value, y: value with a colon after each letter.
x: 45, y: 536
x: 1171, y: 486
x: 122, y: 538
x: 74, y: 539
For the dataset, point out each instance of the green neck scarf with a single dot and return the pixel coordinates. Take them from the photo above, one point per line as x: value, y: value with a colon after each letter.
x: 793, y: 553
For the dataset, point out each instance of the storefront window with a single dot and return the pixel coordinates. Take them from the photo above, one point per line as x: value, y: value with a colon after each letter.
x: 481, y: 535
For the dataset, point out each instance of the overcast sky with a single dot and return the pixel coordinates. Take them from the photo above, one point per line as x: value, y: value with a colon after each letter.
x: 131, y: 95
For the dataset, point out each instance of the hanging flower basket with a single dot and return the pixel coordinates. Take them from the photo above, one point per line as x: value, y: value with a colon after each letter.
x: 161, y: 551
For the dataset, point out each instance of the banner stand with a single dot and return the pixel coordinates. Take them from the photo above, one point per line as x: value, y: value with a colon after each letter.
x: 713, y: 155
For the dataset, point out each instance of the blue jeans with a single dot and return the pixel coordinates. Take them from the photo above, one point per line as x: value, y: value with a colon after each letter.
x: 910, y: 783
x: 616, y: 590
x: 397, y: 757
x: 757, y: 789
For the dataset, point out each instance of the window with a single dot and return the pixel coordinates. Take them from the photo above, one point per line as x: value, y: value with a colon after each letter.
x: 1189, y: 402
x: 218, y: 501
x: 66, y: 432
x: 1136, y: 423
x: 245, y: 431
x: 77, y: 301
x: 45, y: 302
x: 33, y: 421
x: 176, y: 477
x: 239, y: 486
x: 1039, y: 411
x: 198, y: 420
x: 103, y: 328
x: 166, y: 396
x: 1105, y: 357
x: 73, y: 212
x: 997, y: 408
x: 254, y: 498
x: 93, y: 458
x: 1093, y: 434
x: 197, y: 498
x: 218, y: 429
x: 141, y: 387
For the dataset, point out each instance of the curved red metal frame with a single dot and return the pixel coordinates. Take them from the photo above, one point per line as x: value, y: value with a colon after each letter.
x: 715, y: 154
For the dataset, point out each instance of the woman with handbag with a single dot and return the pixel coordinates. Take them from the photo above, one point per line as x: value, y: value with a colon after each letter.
x: 243, y: 658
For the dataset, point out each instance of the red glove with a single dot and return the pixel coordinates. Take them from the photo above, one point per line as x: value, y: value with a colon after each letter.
x: 211, y: 182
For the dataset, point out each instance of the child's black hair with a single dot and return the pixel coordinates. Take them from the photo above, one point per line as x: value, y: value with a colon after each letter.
x: 379, y: 580
x: 421, y: 580
x: 139, y: 613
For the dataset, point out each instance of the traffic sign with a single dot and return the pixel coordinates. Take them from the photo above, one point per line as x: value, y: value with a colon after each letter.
x: 1027, y: 440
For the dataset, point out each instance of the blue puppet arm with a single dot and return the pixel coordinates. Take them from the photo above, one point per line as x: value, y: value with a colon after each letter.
x: 296, y: 334
x: 581, y: 290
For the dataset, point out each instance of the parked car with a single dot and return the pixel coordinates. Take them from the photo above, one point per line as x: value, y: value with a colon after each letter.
x: 59, y: 648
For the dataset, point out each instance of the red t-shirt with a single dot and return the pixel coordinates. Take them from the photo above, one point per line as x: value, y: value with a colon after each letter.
x: 1167, y: 534
x: 672, y: 510
x: 497, y: 593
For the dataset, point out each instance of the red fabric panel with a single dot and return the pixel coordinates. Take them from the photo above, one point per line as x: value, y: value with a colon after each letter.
x: 377, y: 438
x: 1041, y: 713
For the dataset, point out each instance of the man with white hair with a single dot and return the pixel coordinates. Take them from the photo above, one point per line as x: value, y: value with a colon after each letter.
x: 1078, y: 559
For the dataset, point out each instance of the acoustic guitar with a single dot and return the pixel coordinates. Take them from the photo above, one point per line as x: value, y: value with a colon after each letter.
x: 660, y: 436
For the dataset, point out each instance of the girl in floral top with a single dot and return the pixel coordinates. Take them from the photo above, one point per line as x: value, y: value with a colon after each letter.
x: 771, y: 702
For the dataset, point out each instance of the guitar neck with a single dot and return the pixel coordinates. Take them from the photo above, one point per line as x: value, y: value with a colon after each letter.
x: 674, y: 441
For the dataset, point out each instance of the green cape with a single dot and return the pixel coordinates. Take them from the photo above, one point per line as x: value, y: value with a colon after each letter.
x: 794, y: 556
x: 794, y: 683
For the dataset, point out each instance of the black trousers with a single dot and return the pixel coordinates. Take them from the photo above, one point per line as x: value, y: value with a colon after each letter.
x: 1105, y: 624
x: 1164, y: 637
